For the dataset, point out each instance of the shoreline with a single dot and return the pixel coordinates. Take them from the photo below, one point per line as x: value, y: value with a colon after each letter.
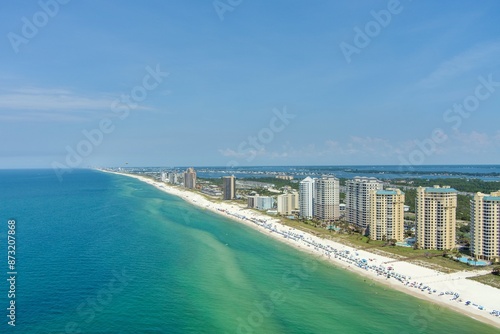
x: 402, y: 276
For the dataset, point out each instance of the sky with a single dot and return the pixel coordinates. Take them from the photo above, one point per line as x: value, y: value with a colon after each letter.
x: 248, y: 83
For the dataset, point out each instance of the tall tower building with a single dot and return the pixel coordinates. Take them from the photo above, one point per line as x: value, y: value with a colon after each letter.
x: 436, y: 217
x: 358, y: 199
x: 485, y: 226
x: 190, y: 178
x: 229, y: 187
x: 306, y: 198
x: 387, y: 219
x: 288, y: 203
x: 327, y: 198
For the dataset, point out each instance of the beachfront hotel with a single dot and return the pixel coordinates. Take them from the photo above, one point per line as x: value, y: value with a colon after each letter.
x: 387, y: 214
x: 358, y: 199
x: 436, y: 217
x: 327, y: 198
x: 190, y: 178
x: 260, y: 202
x: 485, y: 226
x: 228, y: 187
x: 306, y: 198
x: 288, y: 203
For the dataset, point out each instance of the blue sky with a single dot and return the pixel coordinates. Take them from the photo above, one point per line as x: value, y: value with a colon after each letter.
x: 233, y: 69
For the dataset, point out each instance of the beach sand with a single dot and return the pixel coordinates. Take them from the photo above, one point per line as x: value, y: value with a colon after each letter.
x: 479, y: 294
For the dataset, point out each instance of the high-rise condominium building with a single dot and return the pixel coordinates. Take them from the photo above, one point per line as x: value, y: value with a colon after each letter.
x: 436, y: 217
x: 358, y: 199
x: 485, y: 226
x: 387, y: 214
x: 288, y: 203
x: 190, y: 178
x: 327, y: 198
x: 306, y: 198
x: 229, y: 187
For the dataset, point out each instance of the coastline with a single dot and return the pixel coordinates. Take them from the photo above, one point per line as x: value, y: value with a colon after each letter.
x: 375, y: 268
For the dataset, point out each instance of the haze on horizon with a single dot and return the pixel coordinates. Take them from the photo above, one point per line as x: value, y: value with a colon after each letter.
x: 220, y: 83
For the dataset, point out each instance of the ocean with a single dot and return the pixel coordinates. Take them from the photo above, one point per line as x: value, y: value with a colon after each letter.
x: 103, y: 253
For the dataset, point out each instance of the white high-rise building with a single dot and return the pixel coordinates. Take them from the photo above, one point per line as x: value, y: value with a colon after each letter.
x: 260, y: 202
x: 387, y: 217
x: 288, y: 203
x: 485, y: 226
x: 175, y: 178
x: 306, y: 198
x: 327, y: 198
x: 164, y: 177
x: 358, y: 199
x: 436, y: 217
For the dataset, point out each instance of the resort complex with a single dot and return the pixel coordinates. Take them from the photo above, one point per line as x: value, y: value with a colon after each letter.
x: 362, y: 202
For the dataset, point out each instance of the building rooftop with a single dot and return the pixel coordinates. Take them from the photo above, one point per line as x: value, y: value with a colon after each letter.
x: 491, y: 198
x: 365, y: 179
x: 388, y: 192
x: 440, y: 190
x: 307, y: 179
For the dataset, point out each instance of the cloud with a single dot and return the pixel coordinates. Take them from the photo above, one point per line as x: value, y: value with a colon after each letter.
x: 355, y: 146
x: 54, y: 104
x: 50, y: 99
x: 359, y: 145
x: 363, y: 149
x: 474, y: 142
x: 41, y: 116
x: 463, y: 63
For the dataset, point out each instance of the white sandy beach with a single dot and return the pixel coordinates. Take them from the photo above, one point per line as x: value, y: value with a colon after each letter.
x: 437, y: 287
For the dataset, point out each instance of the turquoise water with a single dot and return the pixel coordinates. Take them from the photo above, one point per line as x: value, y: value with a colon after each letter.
x: 101, y: 253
